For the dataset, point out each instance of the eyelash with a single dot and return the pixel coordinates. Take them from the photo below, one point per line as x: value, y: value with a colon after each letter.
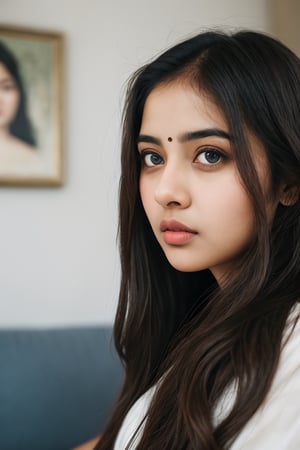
x: 207, y: 150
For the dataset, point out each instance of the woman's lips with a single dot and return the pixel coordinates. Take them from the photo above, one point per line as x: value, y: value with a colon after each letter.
x: 176, y: 233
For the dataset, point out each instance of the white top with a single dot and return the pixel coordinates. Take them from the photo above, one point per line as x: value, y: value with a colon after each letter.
x: 276, y: 424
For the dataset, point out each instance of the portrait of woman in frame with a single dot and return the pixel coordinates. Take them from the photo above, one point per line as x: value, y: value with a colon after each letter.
x: 30, y: 107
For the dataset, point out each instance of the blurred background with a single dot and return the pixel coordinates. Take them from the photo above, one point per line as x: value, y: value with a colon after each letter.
x: 59, y: 256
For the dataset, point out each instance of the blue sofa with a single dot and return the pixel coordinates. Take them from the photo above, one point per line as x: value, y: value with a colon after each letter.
x: 57, y: 386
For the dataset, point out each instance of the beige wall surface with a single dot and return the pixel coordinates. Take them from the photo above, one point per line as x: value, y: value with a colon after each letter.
x: 59, y: 260
x: 287, y: 22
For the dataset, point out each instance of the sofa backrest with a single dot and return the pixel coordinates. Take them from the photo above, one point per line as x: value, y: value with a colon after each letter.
x: 57, y: 386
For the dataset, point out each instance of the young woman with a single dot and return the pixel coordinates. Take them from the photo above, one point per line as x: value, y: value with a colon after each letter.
x: 207, y: 324
x: 17, y: 142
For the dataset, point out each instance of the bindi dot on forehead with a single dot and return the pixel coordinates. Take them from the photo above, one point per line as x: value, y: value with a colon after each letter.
x: 170, y: 139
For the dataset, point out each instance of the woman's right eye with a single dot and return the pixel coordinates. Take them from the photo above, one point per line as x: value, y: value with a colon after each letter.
x: 151, y: 159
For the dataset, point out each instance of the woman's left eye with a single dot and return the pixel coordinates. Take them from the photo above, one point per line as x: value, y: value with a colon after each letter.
x: 209, y: 157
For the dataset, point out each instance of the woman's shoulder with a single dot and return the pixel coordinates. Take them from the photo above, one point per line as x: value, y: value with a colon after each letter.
x: 290, y: 354
x: 18, y: 157
x: 276, y: 425
x: 16, y: 145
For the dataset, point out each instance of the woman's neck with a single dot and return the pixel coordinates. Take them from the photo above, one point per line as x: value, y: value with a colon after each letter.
x: 4, y: 134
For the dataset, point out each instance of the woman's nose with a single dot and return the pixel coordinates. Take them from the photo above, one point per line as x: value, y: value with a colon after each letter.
x: 172, y: 189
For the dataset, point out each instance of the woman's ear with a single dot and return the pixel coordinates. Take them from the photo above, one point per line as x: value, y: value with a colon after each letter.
x: 290, y: 194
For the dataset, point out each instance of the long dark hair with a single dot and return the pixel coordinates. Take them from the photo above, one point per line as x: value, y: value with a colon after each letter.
x: 180, y: 328
x: 21, y: 126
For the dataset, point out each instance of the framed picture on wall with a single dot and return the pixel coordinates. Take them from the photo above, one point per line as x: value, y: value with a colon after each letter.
x: 31, y: 143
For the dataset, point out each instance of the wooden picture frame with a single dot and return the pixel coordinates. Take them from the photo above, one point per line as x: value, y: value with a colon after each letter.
x: 31, y: 107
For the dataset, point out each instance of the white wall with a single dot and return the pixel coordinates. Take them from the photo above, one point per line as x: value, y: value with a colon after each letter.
x: 59, y: 260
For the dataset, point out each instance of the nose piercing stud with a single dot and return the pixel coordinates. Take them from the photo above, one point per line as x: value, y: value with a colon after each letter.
x: 170, y: 139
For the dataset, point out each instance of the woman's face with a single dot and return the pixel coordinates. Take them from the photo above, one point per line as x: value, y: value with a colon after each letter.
x: 190, y: 187
x: 9, y: 97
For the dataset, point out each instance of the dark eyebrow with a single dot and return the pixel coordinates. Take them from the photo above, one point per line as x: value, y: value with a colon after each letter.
x: 148, y: 139
x: 190, y: 136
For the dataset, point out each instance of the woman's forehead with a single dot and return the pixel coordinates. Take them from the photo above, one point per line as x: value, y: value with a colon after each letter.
x: 182, y: 109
